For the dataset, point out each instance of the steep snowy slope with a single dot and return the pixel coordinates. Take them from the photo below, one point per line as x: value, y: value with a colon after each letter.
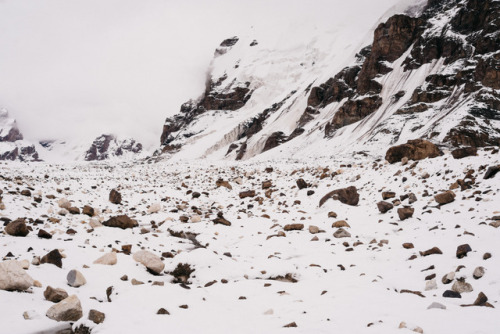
x: 430, y: 73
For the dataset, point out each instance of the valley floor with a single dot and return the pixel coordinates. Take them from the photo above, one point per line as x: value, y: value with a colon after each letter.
x: 258, y: 274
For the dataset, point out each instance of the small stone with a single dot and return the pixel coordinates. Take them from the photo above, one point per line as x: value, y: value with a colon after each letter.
x: 154, y: 208
x: 436, y: 305
x: 248, y: 193
x: 341, y: 233
x: 195, y: 219
x: 340, y: 223
x: 388, y: 195
x: 478, y: 272
x: 64, y: 203
x: 461, y: 286
x: 313, y: 229
x: 55, y: 295
x: 405, y: 213
x: 74, y: 210
x: 383, y: 206
x: 462, y: 250
x: 107, y: 259
x: 301, y: 184
x: 451, y: 294
x: 53, y: 257
x: 293, y: 227
x: 221, y: 220
x: 127, y: 249
x: 290, y: 325
x: 136, y: 282
x: 430, y: 285
x: 163, y: 311
x: 448, y: 278
x: 151, y: 261
x: 75, y: 278
x: 95, y: 223
x: 115, y: 197
x: 68, y: 309
x: 122, y: 221
x: 408, y: 245
x: 486, y: 256
x: 481, y: 299
x: 432, y: 251
x: 96, y: 317
x: 88, y: 210
x: 445, y: 197
x: 332, y: 214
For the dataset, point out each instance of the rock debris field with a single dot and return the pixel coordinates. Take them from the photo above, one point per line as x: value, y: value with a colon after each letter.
x: 347, y: 245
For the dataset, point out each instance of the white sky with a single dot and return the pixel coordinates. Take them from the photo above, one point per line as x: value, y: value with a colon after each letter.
x: 80, y: 68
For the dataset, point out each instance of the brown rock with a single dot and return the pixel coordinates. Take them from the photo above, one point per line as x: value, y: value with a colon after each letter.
x: 388, y: 195
x: 222, y: 183
x: 432, y: 251
x: 301, y: 184
x: 248, y: 193
x: 88, y: 210
x: 445, y: 197
x: 96, y: 317
x: 267, y: 184
x: 293, y: 227
x: 44, y: 234
x: 464, y: 152
x: 115, y: 197
x: 417, y: 149
x: 408, y: 245
x: 405, y: 213
x: 53, y: 257
x: 347, y: 196
x: 122, y: 221
x: 55, y: 295
x: 462, y: 250
x: 221, y: 220
x: 17, y: 228
x: 383, y: 206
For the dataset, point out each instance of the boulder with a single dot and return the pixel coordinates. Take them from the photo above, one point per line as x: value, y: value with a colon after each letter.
x: 248, y: 193
x: 54, y: 257
x: 88, y: 210
x: 17, y: 228
x: 445, y: 197
x: 301, y: 184
x: 68, y: 309
x: 122, y: 221
x: 464, y: 152
x: 405, y: 213
x: 55, y: 295
x: 347, y: 196
x: 462, y: 250
x: 13, y: 277
x: 75, y: 279
x: 417, y: 149
x: 151, y: 261
x: 107, y: 259
x: 383, y: 206
x: 115, y: 197
x: 293, y: 227
x: 96, y: 317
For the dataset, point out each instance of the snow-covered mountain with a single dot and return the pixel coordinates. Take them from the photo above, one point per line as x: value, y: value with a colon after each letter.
x: 431, y: 72
x: 12, y: 144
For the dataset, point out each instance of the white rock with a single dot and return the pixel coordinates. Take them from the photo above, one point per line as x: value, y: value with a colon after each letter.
x: 478, y: 272
x: 436, y: 305
x: 25, y: 264
x: 68, y: 309
x: 313, y: 229
x: 75, y: 278
x: 238, y: 180
x: 461, y: 287
x: 430, y: 285
x: 13, y: 277
x: 150, y: 261
x: 107, y: 259
x: 94, y: 222
x: 30, y: 315
x: 64, y: 203
x: 63, y: 212
x: 154, y: 208
x: 195, y: 219
x: 35, y: 261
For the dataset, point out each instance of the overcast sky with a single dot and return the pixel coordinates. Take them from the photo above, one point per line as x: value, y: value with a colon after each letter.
x: 86, y: 67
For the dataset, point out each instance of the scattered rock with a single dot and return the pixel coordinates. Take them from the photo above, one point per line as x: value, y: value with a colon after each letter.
x: 68, y: 309
x: 151, y: 261
x: 44, y: 234
x: 154, y: 208
x: 405, y: 213
x: 122, y: 221
x: 445, y: 197
x: 383, y: 206
x: 313, y: 229
x: 462, y: 250
x: 248, y: 193
x: 13, y: 277
x: 55, y: 295
x: 96, y: 317
x: 491, y: 172
x: 478, y: 272
x: 432, y: 251
x: 417, y: 149
x: 451, y: 294
x: 293, y: 227
x: 53, y: 257
x: 75, y: 278
x: 17, y: 228
x: 163, y: 311
x: 107, y: 259
x: 115, y: 197
x: 301, y: 184
x: 464, y: 152
x: 408, y: 245
x: 221, y: 220
x: 88, y: 210
x: 341, y: 233
x: 347, y: 196
x: 461, y: 286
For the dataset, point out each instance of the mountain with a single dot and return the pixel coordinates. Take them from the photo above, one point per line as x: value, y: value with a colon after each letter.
x: 430, y: 73
x: 12, y: 144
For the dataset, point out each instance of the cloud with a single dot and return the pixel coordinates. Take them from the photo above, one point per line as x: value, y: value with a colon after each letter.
x: 84, y: 67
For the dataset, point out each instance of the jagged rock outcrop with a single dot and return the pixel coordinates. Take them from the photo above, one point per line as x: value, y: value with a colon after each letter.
x: 12, y: 145
x: 108, y: 146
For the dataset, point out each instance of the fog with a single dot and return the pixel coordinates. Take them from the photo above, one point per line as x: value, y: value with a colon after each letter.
x: 80, y: 68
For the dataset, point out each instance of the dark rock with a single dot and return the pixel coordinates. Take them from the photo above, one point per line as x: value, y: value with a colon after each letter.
x: 122, y: 221
x: 481, y: 299
x: 405, y: 213
x: 74, y: 210
x: 417, y: 149
x: 383, y: 207
x: 462, y: 250
x: 54, y: 295
x: 162, y: 311
x: 445, y: 197
x: 248, y: 193
x: 88, y: 210
x: 408, y: 245
x: 53, y: 257
x: 491, y: 172
x: 301, y: 184
x: 293, y: 227
x: 96, y: 317
x: 451, y: 294
x: 44, y: 234
x: 388, y: 195
x: 221, y: 220
x: 290, y: 325
x: 17, y: 228
x: 182, y: 273
x: 347, y: 196
x: 26, y: 193
x: 464, y: 152
x: 115, y: 197
x: 432, y: 251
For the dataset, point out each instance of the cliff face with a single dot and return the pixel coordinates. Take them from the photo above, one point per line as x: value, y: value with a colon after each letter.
x: 107, y: 147
x: 12, y: 145
x: 435, y: 75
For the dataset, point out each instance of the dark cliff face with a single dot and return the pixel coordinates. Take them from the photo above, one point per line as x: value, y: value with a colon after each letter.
x: 15, y: 148
x: 107, y: 146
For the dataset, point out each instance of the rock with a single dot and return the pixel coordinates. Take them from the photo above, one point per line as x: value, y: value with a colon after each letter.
x: 267, y: 184
x: 13, y: 277
x: 445, y: 197
x: 122, y: 221
x: 486, y: 256
x: 17, y: 228
x: 481, y: 299
x: 436, y: 305
x: 54, y: 295
x: 417, y: 149
x: 313, y: 229
x: 451, y: 294
x: 53, y: 257
x: 94, y: 223
x: 68, y: 309
x: 341, y: 233
x: 64, y: 203
x: 461, y: 286
x: 464, y: 152
x: 432, y: 251
x: 430, y: 285
x: 44, y: 234
x: 74, y: 210
x: 388, y: 195
x: 151, y: 261
x: 248, y: 193
x: 405, y: 213
x: 332, y: 214
x: 136, y: 282
x: 478, y: 272
x: 290, y: 325
x: 115, y: 197
x: 293, y: 227
x: 26, y: 193
x: 88, y: 210
x: 75, y: 278
x: 340, y: 223
x: 301, y: 184
x: 222, y: 183
x: 491, y: 172
x: 408, y: 245
x: 448, y: 278
x: 195, y: 219
x: 96, y: 317
x: 162, y: 311
x: 383, y: 207
x: 347, y: 196
x: 154, y: 208
x: 221, y: 220
x: 107, y: 259
x: 462, y: 250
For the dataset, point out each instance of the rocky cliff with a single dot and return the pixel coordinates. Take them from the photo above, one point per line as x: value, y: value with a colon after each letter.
x: 12, y: 145
x: 431, y: 73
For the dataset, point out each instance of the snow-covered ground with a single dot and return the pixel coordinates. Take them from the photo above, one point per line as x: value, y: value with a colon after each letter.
x: 342, y: 285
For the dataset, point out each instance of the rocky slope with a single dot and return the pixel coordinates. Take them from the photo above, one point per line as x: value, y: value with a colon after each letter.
x: 12, y: 145
x: 430, y: 73
x: 109, y: 146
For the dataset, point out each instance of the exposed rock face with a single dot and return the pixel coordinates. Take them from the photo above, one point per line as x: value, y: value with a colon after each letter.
x: 417, y: 149
x: 108, y: 146
x: 12, y: 146
x: 13, y: 277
